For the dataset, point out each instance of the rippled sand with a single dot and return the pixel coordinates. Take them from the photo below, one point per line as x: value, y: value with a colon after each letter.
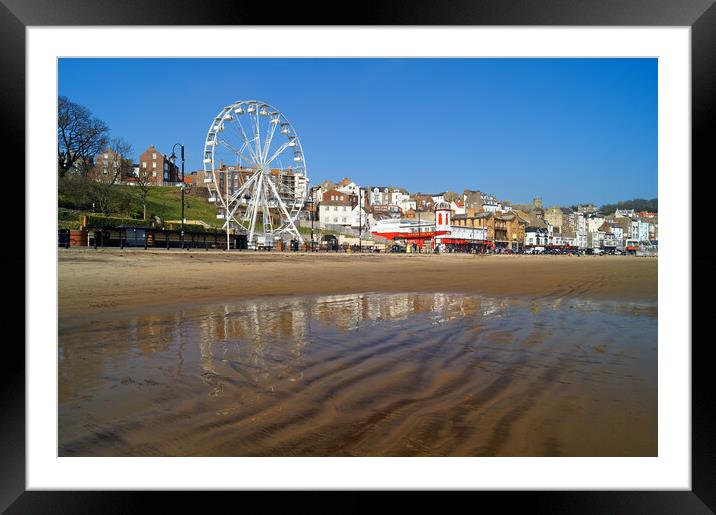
x: 408, y: 374
x: 111, y: 280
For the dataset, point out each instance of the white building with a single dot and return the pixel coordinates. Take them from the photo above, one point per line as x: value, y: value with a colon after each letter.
x: 490, y: 204
x: 360, y: 217
x: 618, y: 234
x: 335, y: 213
x: 640, y: 230
x: 457, y: 232
x: 301, y: 186
x: 594, y: 223
x: 536, y: 237
x: 609, y: 240
x: 348, y: 186
x: 407, y: 204
x: 582, y: 239
x: 458, y: 207
x: 396, y: 197
x: 380, y: 196
x: 384, y: 196
x: 581, y: 231
x: 438, y: 197
x: 597, y: 239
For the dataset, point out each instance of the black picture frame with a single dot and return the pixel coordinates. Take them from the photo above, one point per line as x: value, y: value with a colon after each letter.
x: 700, y: 15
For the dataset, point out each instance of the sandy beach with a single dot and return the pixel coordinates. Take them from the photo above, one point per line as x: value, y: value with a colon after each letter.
x: 94, y: 281
x: 207, y: 354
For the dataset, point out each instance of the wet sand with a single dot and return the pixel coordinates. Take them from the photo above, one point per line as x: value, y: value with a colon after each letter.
x: 363, y: 375
x: 204, y: 354
x: 109, y: 280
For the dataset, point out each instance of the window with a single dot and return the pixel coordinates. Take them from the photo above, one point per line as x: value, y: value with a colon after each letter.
x: 154, y: 155
x: 154, y: 164
x: 144, y: 164
x: 154, y: 174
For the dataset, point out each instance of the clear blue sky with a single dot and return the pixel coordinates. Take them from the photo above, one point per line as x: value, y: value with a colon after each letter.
x: 568, y: 130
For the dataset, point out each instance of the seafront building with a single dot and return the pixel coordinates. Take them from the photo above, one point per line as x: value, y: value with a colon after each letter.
x: 470, y: 219
x: 478, y: 219
x: 480, y: 232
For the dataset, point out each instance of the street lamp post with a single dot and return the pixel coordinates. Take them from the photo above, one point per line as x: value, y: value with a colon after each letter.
x: 472, y: 243
x: 172, y: 158
x: 360, y: 220
x: 313, y: 217
x: 420, y: 241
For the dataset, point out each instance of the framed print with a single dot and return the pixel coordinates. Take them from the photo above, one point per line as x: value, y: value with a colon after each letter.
x: 399, y: 254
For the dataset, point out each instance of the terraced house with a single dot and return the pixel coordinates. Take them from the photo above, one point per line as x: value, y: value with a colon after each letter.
x: 506, y: 230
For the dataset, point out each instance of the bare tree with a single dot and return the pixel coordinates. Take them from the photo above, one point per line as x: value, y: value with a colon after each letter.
x: 144, y: 181
x: 451, y: 195
x: 112, y: 165
x: 80, y: 136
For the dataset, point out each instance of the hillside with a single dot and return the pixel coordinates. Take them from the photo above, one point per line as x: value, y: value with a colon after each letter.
x: 75, y: 200
x: 162, y: 201
x: 637, y: 204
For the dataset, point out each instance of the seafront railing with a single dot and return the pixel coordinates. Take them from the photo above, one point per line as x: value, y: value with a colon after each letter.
x: 154, y: 238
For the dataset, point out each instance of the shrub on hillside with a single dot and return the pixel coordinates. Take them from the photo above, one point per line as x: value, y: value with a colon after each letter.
x: 113, y: 222
x: 69, y: 224
x: 75, y: 192
x: 193, y: 228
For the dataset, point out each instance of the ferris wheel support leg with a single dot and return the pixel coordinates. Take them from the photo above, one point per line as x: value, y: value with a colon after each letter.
x: 256, y: 200
x: 285, y: 212
x: 236, y: 198
x: 242, y: 189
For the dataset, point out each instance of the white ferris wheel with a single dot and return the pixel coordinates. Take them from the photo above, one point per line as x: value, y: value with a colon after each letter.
x: 256, y: 171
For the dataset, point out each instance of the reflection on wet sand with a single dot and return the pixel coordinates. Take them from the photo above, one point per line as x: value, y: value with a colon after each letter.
x: 363, y: 375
